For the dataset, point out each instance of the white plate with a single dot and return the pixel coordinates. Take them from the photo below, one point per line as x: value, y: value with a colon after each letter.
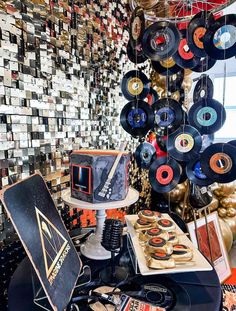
x: 199, y: 263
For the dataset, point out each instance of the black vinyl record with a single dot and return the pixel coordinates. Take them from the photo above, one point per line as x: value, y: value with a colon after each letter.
x: 137, y: 118
x: 232, y: 142
x: 184, y: 57
x: 158, y: 290
x: 197, y: 28
x: 160, y: 40
x: 137, y: 27
x: 205, y: 64
x: 164, y: 174
x: 166, y: 67
x: 218, y: 162
x: 175, y: 81
x: 195, y: 174
x: 135, y: 85
x: 204, y: 89
x: 145, y: 154
x: 183, y: 175
x: 152, y: 96
x: 168, y: 114
x: 136, y: 55
x: 185, y: 143
x: 207, y: 116
x: 220, y: 39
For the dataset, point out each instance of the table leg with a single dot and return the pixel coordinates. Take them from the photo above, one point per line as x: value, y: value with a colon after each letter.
x: 92, y: 248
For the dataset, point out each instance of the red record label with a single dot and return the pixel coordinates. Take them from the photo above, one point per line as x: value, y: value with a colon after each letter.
x: 164, y: 174
x: 147, y: 213
x: 180, y: 246
x: 157, y: 242
x: 155, y: 231
x: 143, y: 222
x: 184, y: 50
x: 165, y: 222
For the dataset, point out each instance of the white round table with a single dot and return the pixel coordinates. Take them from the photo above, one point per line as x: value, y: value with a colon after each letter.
x: 92, y: 248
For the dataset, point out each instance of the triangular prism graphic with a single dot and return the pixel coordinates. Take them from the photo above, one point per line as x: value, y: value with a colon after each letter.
x: 52, y: 241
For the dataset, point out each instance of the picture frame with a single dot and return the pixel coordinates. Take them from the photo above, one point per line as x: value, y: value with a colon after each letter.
x: 218, y: 254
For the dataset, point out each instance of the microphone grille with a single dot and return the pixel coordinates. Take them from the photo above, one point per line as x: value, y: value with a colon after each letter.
x: 112, y: 234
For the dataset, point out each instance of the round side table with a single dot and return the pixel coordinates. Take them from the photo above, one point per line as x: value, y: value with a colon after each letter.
x: 92, y: 248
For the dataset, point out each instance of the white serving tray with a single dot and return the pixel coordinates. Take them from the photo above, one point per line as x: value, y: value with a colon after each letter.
x: 199, y: 263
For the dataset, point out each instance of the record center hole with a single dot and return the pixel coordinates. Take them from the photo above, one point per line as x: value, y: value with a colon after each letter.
x: 164, y: 175
x: 145, y: 155
x: 206, y: 116
x: 160, y: 40
x: 164, y: 116
x: 221, y: 163
x: 184, y: 142
x: 135, y: 86
x: 202, y: 93
x: 137, y: 117
x: 186, y: 48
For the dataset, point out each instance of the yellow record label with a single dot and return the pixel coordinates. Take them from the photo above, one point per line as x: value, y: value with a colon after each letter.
x: 135, y: 86
x: 184, y: 143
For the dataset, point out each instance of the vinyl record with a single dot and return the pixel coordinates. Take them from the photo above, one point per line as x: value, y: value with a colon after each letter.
x: 136, y: 55
x: 197, y: 28
x: 174, y: 82
x: 160, y: 40
x: 137, y: 27
x: 166, y: 67
x: 205, y: 64
x: 218, y: 162
x: 145, y: 154
x: 207, y: 116
x: 137, y: 118
x: 220, y: 39
x: 184, y: 57
x: 204, y: 89
x: 164, y: 174
x: 168, y: 114
x: 158, y: 290
x: 185, y: 143
x: 232, y: 142
x: 195, y: 174
x: 183, y: 176
x: 135, y: 85
x: 152, y: 96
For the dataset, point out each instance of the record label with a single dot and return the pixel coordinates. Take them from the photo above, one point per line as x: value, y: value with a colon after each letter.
x: 225, y: 37
x: 135, y: 86
x: 136, y: 27
x: 198, y: 171
x: 221, y: 163
x: 198, y: 35
x: 137, y: 118
x: 164, y: 116
x: 184, y: 50
x: 164, y: 174
x: 207, y: 116
x: 184, y: 143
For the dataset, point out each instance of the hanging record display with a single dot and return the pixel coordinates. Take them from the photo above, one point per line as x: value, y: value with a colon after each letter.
x: 145, y: 154
x: 197, y: 28
x: 218, y: 162
x: 166, y: 67
x: 168, y: 114
x: 220, y: 39
x: 135, y: 85
x: 137, y: 118
x: 160, y: 40
x: 152, y: 96
x: 195, y: 174
x: 164, y: 174
x: 207, y: 116
x: 204, y: 89
x: 136, y: 55
x: 205, y: 64
x: 184, y: 57
x: 185, y: 143
x: 183, y: 175
x: 137, y: 27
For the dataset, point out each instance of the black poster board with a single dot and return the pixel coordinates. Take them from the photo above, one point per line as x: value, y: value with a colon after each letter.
x: 44, y: 237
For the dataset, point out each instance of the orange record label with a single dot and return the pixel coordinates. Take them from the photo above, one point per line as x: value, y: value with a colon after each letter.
x: 221, y: 163
x: 198, y: 35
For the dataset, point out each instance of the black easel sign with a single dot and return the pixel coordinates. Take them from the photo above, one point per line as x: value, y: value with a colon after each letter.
x: 44, y: 237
